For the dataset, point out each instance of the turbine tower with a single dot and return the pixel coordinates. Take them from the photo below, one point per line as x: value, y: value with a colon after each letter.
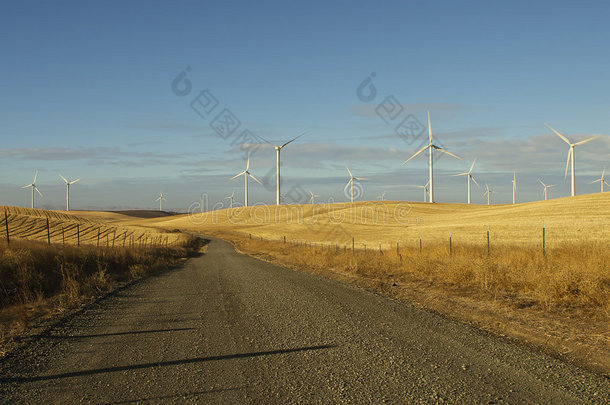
x: 514, y: 187
x: 545, y: 187
x: 278, y: 148
x: 488, y: 192
x: 68, y: 184
x: 431, y: 146
x: 313, y: 197
x: 231, y: 198
x: 382, y: 196
x: 601, y: 180
x: 161, y: 199
x: 351, y: 182
x: 246, y: 173
x: 33, y: 186
x: 571, y: 154
x: 469, y: 176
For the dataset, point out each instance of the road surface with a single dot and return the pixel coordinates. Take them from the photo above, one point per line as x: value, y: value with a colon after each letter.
x: 229, y: 329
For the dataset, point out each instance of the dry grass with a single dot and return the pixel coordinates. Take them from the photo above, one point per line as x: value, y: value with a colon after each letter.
x: 38, y: 279
x: 81, y: 228
x: 572, y: 276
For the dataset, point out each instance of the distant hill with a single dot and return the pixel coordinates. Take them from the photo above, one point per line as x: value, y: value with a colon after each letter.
x: 145, y: 213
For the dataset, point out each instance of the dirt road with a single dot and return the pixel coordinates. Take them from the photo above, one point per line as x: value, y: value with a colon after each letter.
x: 227, y: 328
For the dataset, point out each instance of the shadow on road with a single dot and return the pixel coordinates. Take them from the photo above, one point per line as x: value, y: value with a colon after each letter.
x: 180, y: 396
x: 160, y: 364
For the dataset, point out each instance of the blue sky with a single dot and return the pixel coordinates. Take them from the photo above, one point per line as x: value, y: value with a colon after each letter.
x: 87, y: 92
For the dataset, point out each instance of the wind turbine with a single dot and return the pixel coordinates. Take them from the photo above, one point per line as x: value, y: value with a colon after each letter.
x: 431, y: 146
x: 514, y: 187
x: 545, y: 187
x: 425, y: 187
x: 246, y: 174
x: 161, y: 199
x: 571, y: 154
x: 313, y: 196
x: 231, y: 198
x: 278, y: 148
x: 33, y: 186
x: 351, y: 182
x: 469, y: 176
x: 68, y: 184
x: 488, y: 192
x: 382, y: 196
x: 601, y: 180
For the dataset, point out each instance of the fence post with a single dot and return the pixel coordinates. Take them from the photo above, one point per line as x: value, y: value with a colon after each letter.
x: 98, y: 237
x: 353, y: 247
x: 420, y: 244
x: 284, y: 239
x: 77, y: 235
x: 488, y: 245
x: 543, y: 239
x: 397, y: 249
x: 48, y: 232
x: 113, y: 237
x: 450, y: 246
x: 63, y: 236
x: 364, y: 247
x: 380, y: 252
x: 8, y: 237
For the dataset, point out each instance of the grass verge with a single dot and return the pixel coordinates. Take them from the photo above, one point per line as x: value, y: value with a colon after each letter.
x: 38, y: 280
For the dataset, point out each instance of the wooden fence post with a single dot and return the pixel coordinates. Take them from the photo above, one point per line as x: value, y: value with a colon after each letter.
x: 98, y: 237
x: 450, y: 246
x: 77, y: 235
x: 63, y: 236
x: 48, y: 232
x: 543, y: 239
x: 8, y: 237
x: 420, y: 244
x: 488, y: 244
x: 353, y: 248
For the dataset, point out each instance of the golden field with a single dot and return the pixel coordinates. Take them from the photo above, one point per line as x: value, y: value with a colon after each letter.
x: 580, y: 219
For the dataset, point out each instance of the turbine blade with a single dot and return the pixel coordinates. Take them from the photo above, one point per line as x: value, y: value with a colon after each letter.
x: 35, y: 177
x: 416, y: 153
x: 448, y: 153
x: 586, y: 140
x: 64, y: 179
x: 542, y: 183
x: 568, y: 163
x: 475, y: 182
x: 348, y: 170
x: 461, y: 174
x: 595, y: 181
x: 293, y: 139
x: 248, y: 162
x: 75, y: 181
x: 472, y: 166
x: 558, y: 134
x: 38, y: 191
x: 361, y: 178
x: 237, y: 175
x: 29, y: 185
x: 347, y: 185
x: 429, y: 129
x: 255, y: 179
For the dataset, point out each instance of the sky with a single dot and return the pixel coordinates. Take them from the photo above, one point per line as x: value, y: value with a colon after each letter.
x: 134, y: 98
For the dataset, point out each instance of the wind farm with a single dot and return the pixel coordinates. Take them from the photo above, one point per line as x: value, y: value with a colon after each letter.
x: 236, y: 202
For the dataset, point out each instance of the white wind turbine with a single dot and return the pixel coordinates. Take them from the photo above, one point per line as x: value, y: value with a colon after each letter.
x: 382, y: 196
x: 33, y: 186
x: 488, y: 193
x: 425, y: 188
x: 545, y: 187
x: 246, y: 174
x: 469, y: 176
x: 68, y: 184
x: 514, y: 187
x: 571, y: 154
x: 231, y: 198
x: 601, y: 180
x: 431, y: 146
x: 278, y: 148
x: 351, y: 182
x: 313, y: 197
x: 161, y: 198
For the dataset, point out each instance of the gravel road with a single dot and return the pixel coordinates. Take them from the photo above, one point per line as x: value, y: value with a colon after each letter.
x: 229, y: 329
